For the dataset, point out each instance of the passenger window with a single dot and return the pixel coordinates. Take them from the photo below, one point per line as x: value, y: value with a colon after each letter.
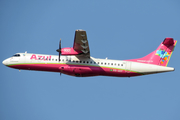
x: 56, y: 59
x: 121, y: 64
x: 73, y: 61
x: 87, y: 62
x: 83, y: 61
x: 98, y: 62
x: 111, y: 63
x: 108, y: 63
x: 102, y: 63
x: 91, y: 62
x: 105, y: 63
x: 76, y: 61
x: 53, y: 59
x: 69, y: 60
x: 94, y: 62
x: 114, y: 63
x: 80, y: 61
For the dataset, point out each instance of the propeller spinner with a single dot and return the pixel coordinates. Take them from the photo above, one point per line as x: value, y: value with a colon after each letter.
x: 59, y: 50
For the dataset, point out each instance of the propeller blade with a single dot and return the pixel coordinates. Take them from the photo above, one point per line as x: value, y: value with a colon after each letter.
x: 59, y: 56
x: 59, y: 50
x: 60, y: 44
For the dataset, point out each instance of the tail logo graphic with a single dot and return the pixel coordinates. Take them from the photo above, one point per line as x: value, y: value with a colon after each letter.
x: 163, y: 55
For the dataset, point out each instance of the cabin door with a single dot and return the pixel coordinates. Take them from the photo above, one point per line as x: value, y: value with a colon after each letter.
x: 128, y: 67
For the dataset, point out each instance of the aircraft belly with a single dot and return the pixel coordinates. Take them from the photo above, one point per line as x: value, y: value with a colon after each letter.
x: 132, y: 69
x: 79, y: 71
x: 117, y: 72
x: 38, y: 67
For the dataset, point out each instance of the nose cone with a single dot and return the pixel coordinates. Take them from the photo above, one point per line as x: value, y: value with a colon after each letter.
x: 5, y: 62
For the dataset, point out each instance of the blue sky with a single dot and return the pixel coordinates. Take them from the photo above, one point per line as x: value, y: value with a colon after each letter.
x: 116, y: 29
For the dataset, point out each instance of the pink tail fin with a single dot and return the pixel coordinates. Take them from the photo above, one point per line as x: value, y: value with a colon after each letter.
x: 161, y: 55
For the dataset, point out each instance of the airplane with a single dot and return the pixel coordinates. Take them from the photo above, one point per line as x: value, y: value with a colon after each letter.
x: 76, y: 61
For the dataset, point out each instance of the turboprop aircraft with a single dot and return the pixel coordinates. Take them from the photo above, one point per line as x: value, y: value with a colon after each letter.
x: 76, y: 61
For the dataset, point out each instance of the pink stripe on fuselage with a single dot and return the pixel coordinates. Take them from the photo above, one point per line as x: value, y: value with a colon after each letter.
x: 74, y: 70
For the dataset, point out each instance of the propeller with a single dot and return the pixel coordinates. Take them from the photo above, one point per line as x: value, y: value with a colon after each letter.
x: 59, y: 50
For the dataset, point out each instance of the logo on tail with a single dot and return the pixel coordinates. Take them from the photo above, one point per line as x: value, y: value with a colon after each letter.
x: 163, y: 55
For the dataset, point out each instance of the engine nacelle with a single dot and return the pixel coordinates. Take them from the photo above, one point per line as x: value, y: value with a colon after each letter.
x: 70, y: 51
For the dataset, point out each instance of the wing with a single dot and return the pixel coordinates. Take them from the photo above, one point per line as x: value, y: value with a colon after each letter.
x: 81, y: 43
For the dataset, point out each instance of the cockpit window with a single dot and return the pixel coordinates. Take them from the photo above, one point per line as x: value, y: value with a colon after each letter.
x: 16, y: 55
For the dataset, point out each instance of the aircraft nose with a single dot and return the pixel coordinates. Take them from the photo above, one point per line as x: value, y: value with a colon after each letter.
x: 4, y: 62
